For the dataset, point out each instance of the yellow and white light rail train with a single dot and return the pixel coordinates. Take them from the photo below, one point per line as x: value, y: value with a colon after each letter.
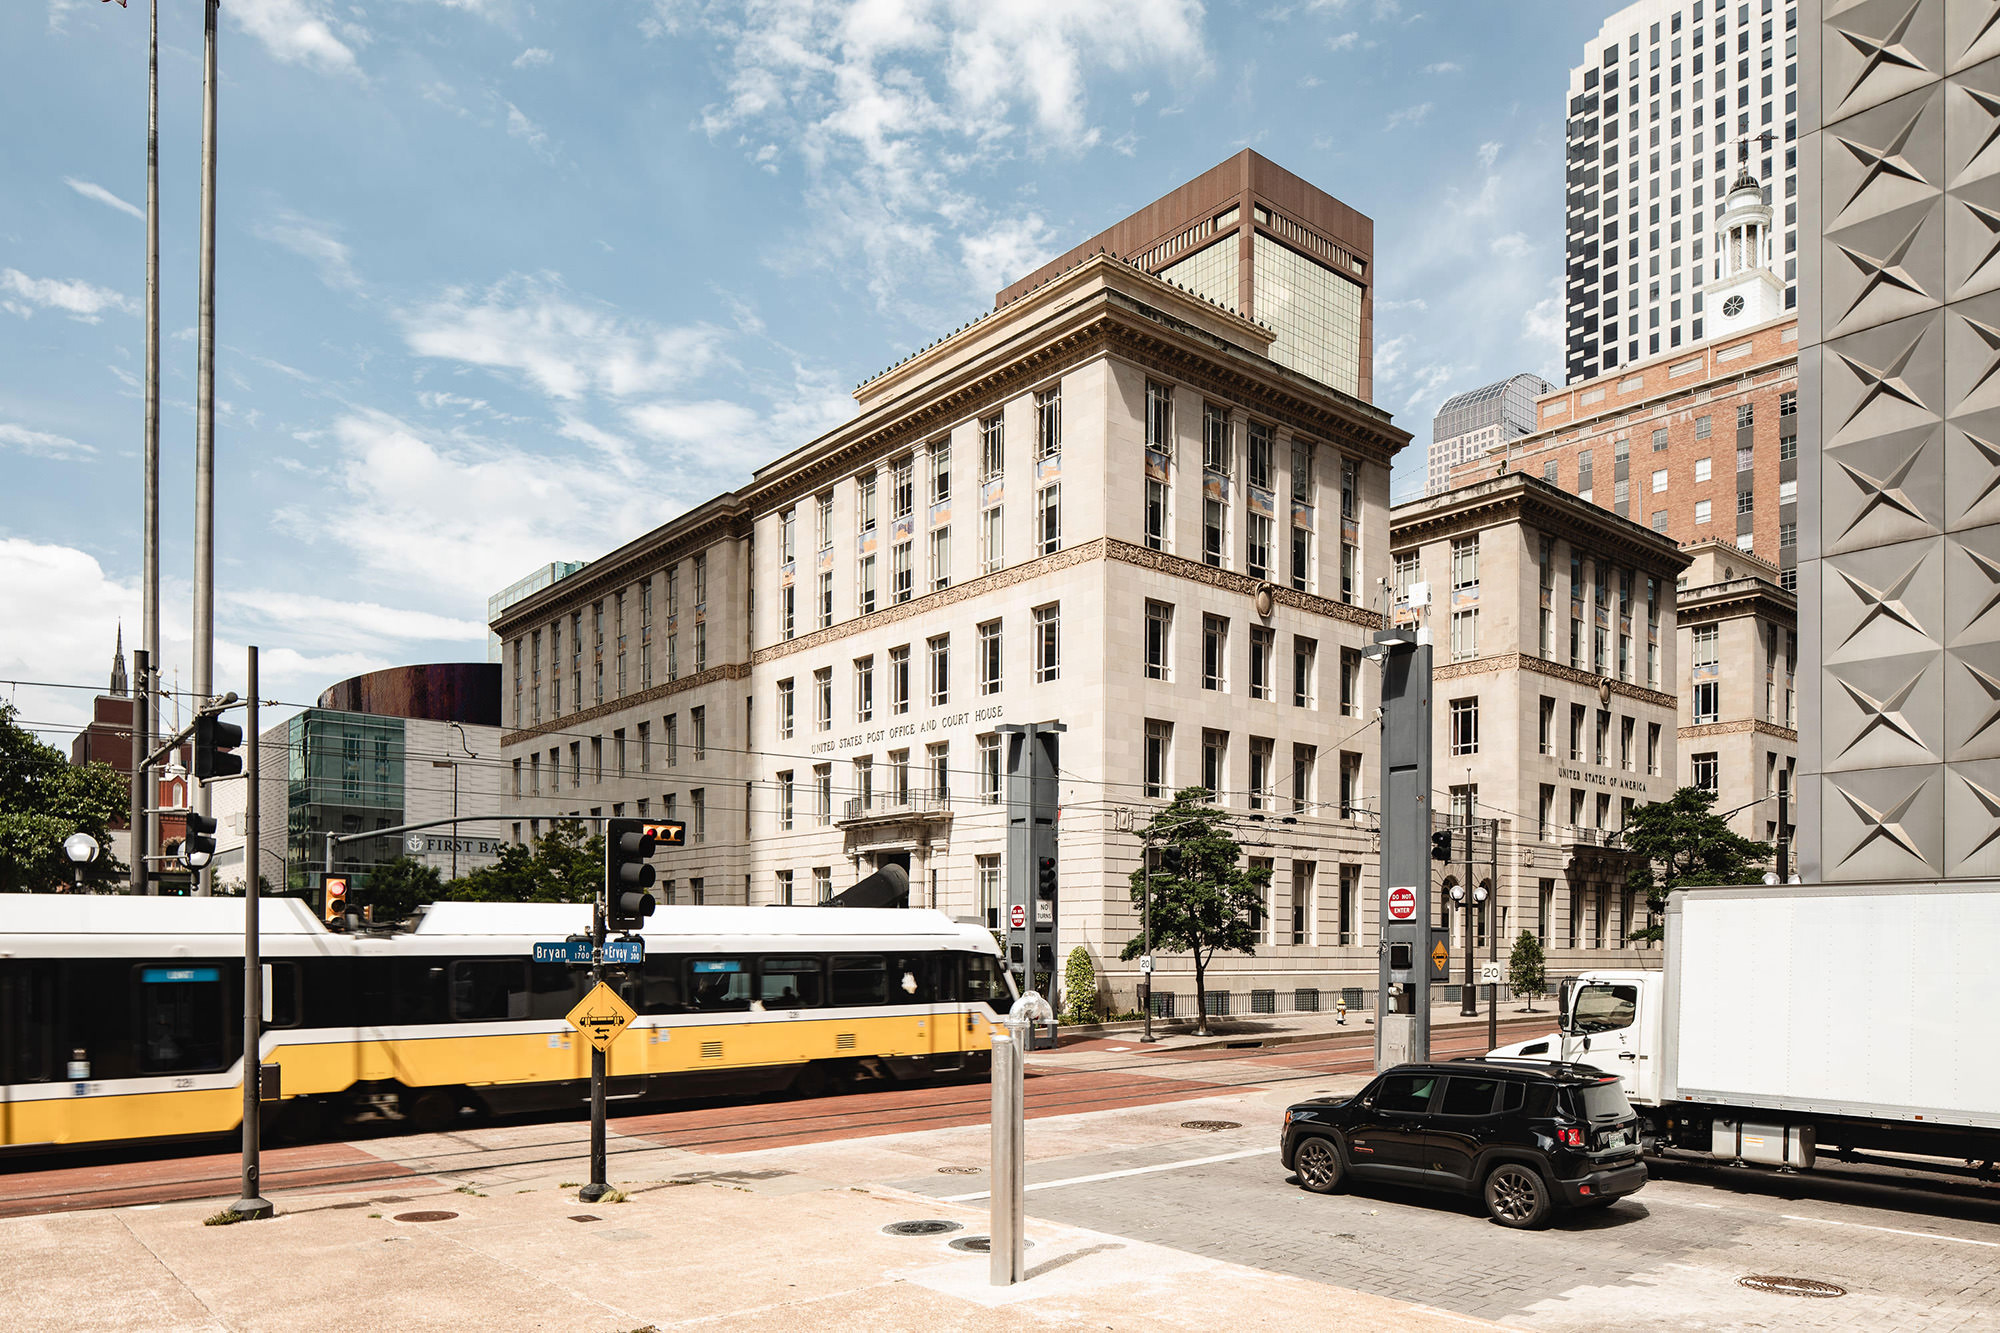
x: 121, y: 1018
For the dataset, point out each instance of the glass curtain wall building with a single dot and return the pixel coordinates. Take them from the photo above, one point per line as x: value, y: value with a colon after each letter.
x: 1672, y: 99
x: 1471, y: 423
x: 345, y: 775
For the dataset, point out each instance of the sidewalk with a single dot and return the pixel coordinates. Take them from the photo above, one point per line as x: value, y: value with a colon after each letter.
x: 775, y: 1239
x: 1280, y: 1029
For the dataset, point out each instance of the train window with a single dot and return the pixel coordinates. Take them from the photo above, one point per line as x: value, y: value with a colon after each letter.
x: 555, y: 991
x: 183, y: 1019
x: 283, y: 981
x: 659, y: 986
x: 27, y: 1007
x: 718, y: 983
x: 789, y: 983
x: 487, y: 989
x: 986, y: 983
x: 913, y: 979
x: 859, y: 980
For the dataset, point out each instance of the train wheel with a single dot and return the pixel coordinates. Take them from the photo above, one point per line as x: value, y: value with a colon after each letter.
x: 433, y: 1111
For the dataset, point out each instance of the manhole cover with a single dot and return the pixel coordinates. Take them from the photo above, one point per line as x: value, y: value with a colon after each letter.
x: 431, y: 1216
x: 982, y: 1244
x: 930, y: 1226
x: 1792, y: 1286
x: 1210, y: 1125
x: 585, y: 1217
x: 958, y: 1170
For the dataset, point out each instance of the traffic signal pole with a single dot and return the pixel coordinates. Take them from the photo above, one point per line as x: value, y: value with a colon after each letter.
x: 1403, y: 1010
x: 252, y: 1205
x: 598, y: 1187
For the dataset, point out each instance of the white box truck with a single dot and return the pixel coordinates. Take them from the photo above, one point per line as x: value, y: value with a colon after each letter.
x: 1791, y: 1020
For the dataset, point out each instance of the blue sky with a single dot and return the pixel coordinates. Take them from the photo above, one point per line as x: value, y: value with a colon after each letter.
x: 501, y: 282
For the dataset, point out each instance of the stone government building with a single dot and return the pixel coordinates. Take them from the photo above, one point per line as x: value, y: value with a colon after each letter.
x: 1114, y: 501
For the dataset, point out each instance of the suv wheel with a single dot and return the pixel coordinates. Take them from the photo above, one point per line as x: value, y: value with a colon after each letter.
x: 1516, y: 1197
x: 1318, y: 1165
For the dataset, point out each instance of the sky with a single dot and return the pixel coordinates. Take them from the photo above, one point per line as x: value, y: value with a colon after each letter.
x: 500, y: 283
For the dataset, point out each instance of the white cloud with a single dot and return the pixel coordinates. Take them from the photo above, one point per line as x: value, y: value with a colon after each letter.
x: 312, y: 619
x: 1514, y: 245
x: 1489, y: 152
x: 75, y: 609
x: 314, y: 241
x: 1008, y: 249
x: 41, y: 444
x: 1414, y: 303
x: 301, y: 32
x: 1343, y: 42
x: 447, y: 401
x: 1443, y: 67
x: 1542, y: 325
x: 1409, y: 115
x: 564, y: 347
x: 92, y: 190
x: 520, y: 127
x: 534, y: 55
x: 83, y: 301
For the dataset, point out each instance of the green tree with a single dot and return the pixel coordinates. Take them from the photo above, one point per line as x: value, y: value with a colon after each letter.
x: 1079, y: 988
x: 563, y: 866
x: 1682, y: 843
x: 395, y: 890
x: 43, y: 800
x: 1204, y: 901
x: 1525, y: 976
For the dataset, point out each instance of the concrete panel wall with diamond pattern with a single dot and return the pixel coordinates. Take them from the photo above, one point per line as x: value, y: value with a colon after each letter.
x: 1899, y: 380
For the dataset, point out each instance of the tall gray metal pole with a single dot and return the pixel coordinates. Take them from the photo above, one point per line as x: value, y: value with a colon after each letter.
x: 252, y: 1204
x: 145, y: 834
x: 204, y: 403
x: 142, y: 733
x: 1468, y: 1005
x: 1005, y: 1201
x: 1403, y: 1009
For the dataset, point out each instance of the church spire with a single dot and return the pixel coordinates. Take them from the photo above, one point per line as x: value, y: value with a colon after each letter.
x: 118, y: 682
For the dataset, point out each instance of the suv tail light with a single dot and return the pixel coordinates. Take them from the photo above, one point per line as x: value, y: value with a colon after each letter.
x: 1570, y: 1136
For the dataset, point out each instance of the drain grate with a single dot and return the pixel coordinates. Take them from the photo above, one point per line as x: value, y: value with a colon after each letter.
x: 432, y: 1216
x: 1792, y: 1286
x: 982, y: 1244
x: 930, y: 1226
x: 959, y: 1170
x: 1212, y: 1126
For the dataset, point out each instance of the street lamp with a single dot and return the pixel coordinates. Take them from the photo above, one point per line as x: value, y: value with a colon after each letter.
x: 1470, y: 1000
x: 196, y: 862
x: 81, y: 849
x: 452, y: 764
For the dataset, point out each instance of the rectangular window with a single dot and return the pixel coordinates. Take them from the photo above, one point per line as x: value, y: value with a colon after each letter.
x: 992, y: 447
x: 899, y: 679
x: 1048, y: 519
x: 1660, y: 439
x: 1215, y: 449
x: 901, y: 575
x: 991, y: 537
x: 1788, y: 536
x: 1702, y: 427
x: 1659, y: 480
x: 1214, y: 761
x: 989, y: 768
x: 1576, y: 716
x: 1160, y: 417
x: 941, y: 472
x: 1627, y: 758
x: 1745, y: 502
x: 1261, y: 748
x: 823, y: 699
x: 902, y: 491
x: 1214, y: 531
x: 1702, y: 469
x: 864, y: 582
x: 1258, y: 546
x: 1263, y: 648
x: 986, y: 873
x: 1305, y: 671
x: 698, y: 731
x: 1302, y: 555
x: 1603, y: 747
x: 1701, y: 511
x: 673, y: 721
x: 937, y: 757
x: 1465, y: 564
x: 699, y: 796
x: 864, y: 502
x: 1259, y: 442
x: 785, y: 800
x: 1708, y: 771
x: 1465, y: 726
x: 1546, y: 726
x: 785, y: 712
x: 940, y: 557
x: 988, y: 659
x: 823, y: 794
x: 899, y: 776
x: 1159, y: 757
x: 1305, y: 759
x: 1350, y: 785
x: 1048, y: 644
x: 1214, y: 652
x: 864, y: 688
x: 1159, y: 515
x: 825, y: 598
x: 788, y: 610
x: 1048, y: 422
x: 940, y: 678
x: 1159, y: 641
x: 782, y: 894
x: 1464, y: 634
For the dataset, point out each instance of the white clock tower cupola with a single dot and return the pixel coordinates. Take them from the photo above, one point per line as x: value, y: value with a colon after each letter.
x: 1743, y: 291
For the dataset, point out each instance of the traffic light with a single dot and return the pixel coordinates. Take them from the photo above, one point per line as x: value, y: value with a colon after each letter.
x: 1441, y: 845
x: 198, y: 848
x: 1045, y: 878
x: 214, y: 740
x: 628, y: 847
x: 336, y: 896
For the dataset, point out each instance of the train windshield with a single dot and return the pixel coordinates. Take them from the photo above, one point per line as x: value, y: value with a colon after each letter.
x: 986, y: 982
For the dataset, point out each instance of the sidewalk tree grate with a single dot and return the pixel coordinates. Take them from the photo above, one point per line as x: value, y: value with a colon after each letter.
x: 930, y: 1226
x: 1212, y: 1126
x: 982, y: 1244
x: 1792, y: 1286
x: 959, y: 1170
x: 432, y: 1215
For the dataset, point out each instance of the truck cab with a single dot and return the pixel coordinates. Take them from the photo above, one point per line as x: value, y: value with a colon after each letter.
x: 1610, y: 1019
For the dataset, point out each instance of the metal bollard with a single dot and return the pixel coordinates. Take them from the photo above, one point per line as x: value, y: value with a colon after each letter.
x: 1009, y: 1167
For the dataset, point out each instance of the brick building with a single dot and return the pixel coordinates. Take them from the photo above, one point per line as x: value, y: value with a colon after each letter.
x: 1699, y: 444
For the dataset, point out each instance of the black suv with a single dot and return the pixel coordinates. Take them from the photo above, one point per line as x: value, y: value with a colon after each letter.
x: 1525, y: 1136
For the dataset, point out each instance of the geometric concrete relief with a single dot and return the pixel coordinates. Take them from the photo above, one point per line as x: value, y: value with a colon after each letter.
x: 1972, y: 355
x: 1971, y: 34
x: 1972, y: 239
x: 1972, y: 470
x: 1887, y: 601
x: 1887, y: 488
x: 1972, y: 819
x: 1883, y: 379
x: 1972, y: 587
x: 1972, y: 702
x: 1885, y: 267
x: 1883, y: 711
x: 1884, y: 823
x: 1972, y: 125
x: 1877, y: 49
x: 1884, y: 159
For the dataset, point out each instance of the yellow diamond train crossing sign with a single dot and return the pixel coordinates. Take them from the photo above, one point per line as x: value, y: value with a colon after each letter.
x: 602, y: 1015
x: 1440, y: 961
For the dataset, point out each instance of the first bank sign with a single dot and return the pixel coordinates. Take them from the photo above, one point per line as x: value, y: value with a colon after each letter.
x: 420, y: 844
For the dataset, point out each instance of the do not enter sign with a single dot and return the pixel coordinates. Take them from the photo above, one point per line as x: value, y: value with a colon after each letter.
x: 1402, y: 903
x: 1017, y: 916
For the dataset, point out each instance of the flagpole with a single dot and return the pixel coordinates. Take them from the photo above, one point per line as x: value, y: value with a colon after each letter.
x: 204, y: 404
x: 149, y: 679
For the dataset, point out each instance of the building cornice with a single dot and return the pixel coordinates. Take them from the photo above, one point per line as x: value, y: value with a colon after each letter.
x: 689, y: 534
x: 1499, y: 662
x: 1230, y: 581
x: 557, y: 726
x: 1741, y: 725
x: 1739, y: 597
x: 1530, y: 501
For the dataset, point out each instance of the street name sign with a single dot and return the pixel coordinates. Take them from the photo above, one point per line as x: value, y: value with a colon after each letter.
x: 624, y: 953
x: 601, y: 1015
x: 563, y: 951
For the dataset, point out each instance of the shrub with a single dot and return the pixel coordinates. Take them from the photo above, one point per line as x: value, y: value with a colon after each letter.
x: 1079, y: 988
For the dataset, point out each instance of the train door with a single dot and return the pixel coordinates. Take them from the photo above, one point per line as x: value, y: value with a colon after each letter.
x: 924, y: 982
x: 27, y: 1037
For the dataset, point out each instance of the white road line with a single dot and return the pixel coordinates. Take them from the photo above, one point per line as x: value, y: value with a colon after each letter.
x: 1117, y: 1175
x: 1893, y: 1231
